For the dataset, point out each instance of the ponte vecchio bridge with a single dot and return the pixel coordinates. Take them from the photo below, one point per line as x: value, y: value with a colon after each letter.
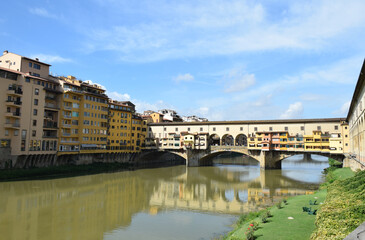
x: 267, y: 141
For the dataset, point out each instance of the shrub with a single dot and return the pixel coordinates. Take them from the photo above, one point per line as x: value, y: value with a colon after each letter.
x: 254, y: 225
x: 250, y: 234
x: 263, y: 218
x: 278, y: 205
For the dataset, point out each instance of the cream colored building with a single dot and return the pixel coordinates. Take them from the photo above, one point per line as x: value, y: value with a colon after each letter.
x: 218, y: 132
x: 30, y: 107
x: 356, y: 118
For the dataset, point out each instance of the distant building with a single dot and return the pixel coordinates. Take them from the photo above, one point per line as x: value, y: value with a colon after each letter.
x: 170, y: 115
x: 194, y: 119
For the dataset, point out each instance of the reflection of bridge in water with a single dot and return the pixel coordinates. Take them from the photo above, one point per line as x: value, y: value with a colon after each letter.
x: 89, y: 206
x: 193, y: 190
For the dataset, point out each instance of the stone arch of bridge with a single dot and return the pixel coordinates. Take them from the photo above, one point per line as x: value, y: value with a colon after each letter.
x: 214, y: 140
x: 161, y: 157
x: 207, y: 160
x: 241, y: 140
x: 227, y: 140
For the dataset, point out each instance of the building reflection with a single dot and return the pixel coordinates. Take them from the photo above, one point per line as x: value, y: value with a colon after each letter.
x: 88, y: 207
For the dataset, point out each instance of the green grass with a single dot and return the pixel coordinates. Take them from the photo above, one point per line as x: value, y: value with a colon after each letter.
x: 343, y: 209
x: 60, y: 171
x: 279, y: 226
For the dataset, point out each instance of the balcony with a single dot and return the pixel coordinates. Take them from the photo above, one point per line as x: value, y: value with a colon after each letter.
x: 66, y: 125
x: 50, y: 136
x: 13, y: 103
x: 69, y: 141
x: 51, y: 106
x: 12, y: 125
x: 66, y: 134
x: 49, y: 124
x: 67, y: 116
x: 14, y: 91
x: 12, y: 114
x: 67, y: 108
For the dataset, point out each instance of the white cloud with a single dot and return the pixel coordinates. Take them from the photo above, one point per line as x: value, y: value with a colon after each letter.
x: 225, y: 27
x: 239, y: 82
x: 343, y: 111
x: 42, y: 12
x: 119, y: 96
x: 295, y: 110
x: 51, y: 58
x: 187, y: 77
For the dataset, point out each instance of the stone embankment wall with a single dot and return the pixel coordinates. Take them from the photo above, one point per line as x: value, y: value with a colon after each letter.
x: 47, y: 160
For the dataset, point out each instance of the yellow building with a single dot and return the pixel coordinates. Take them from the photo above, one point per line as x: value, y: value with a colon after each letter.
x: 318, y: 142
x: 119, y: 127
x: 83, y: 117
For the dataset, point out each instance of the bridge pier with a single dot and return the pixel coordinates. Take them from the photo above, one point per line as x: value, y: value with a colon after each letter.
x: 270, y: 160
x: 307, y: 157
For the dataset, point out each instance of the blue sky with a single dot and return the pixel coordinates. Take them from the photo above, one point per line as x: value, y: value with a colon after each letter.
x: 224, y: 60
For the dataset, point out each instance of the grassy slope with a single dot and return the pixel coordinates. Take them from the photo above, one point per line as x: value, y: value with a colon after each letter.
x: 302, y: 226
x: 280, y: 227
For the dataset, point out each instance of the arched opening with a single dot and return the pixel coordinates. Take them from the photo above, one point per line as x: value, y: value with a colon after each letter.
x: 241, y: 140
x: 214, y: 140
x: 227, y: 140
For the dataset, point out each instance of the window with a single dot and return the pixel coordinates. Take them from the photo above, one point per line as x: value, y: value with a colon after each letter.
x: 27, y: 79
x: 302, y: 128
x: 36, y: 66
x: 241, y: 128
x: 201, y: 129
x: 35, y: 112
x: 227, y: 128
x: 30, y: 64
x: 24, y: 134
x: 286, y: 128
x: 34, y: 133
x: 336, y: 127
x: 188, y: 129
x: 270, y: 128
x: 164, y: 129
x: 36, y: 91
x: 176, y: 129
x: 214, y: 129
x: 255, y: 129
x: 319, y: 128
x: 34, y: 122
x: 6, y: 132
x: 36, y: 102
x: 16, y: 132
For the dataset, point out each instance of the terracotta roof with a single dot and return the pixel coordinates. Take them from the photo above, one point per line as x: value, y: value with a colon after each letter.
x: 10, y: 70
x: 37, y: 61
x: 313, y: 120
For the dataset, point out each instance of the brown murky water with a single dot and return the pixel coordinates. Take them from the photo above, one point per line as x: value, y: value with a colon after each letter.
x: 162, y: 203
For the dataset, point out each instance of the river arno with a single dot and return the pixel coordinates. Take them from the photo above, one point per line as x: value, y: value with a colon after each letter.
x: 161, y: 203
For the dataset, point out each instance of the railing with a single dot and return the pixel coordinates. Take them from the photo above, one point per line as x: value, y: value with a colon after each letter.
x: 66, y: 125
x: 12, y: 125
x: 49, y: 124
x: 50, y: 105
x: 67, y: 116
x: 67, y: 107
x: 66, y: 134
x: 63, y: 141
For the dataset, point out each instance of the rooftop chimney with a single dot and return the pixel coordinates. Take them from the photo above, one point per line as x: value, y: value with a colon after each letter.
x: 37, y: 59
x: 5, y: 52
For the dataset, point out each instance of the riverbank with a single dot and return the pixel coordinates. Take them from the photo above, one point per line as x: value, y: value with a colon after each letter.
x: 340, y: 206
x: 60, y: 171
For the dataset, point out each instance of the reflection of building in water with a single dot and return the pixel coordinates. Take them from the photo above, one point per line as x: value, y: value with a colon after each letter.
x: 76, y: 208
x: 89, y: 207
x: 223, y: 198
